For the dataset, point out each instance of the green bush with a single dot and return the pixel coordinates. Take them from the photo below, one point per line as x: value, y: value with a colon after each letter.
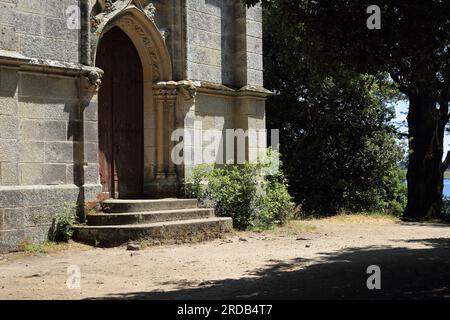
x: 446, y: 208
x: 62, y: 227
x: 253, y: 194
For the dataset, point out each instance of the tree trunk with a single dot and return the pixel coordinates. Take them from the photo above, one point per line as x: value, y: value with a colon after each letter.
x: 425, y: 171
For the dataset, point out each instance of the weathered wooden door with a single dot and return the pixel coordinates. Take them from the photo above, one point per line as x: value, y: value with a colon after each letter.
x: 120, y: 116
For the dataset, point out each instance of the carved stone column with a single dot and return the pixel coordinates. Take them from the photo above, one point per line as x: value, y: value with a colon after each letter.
x: 171, y: 105
x: 90, y: 187
x: 169, y: 99
x: 185, y: 100
x: 160, y: 102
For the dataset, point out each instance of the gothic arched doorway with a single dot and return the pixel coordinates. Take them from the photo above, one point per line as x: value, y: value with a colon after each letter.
x: 120, y: 116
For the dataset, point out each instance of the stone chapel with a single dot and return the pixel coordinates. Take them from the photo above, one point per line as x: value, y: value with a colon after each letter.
x: 90, y: 94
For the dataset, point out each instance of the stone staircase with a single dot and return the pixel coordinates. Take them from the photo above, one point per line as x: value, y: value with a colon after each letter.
x: 163, y: 220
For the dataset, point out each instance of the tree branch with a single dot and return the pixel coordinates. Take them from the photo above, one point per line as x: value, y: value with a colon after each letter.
x: 403, y: 89
x: 443, y: 106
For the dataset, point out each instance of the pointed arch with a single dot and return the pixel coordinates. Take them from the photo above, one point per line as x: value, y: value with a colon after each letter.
x: 145, y: 36
x: 156, y: 68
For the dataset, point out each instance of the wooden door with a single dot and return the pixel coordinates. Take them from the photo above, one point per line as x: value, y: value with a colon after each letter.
x: 120, y: 116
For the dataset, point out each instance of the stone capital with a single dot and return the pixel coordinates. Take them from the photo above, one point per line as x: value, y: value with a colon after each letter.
x: 172, y: 89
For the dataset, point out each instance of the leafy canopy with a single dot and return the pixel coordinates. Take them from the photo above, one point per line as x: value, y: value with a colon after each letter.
x: 413, y: 44
x: 338, y: 146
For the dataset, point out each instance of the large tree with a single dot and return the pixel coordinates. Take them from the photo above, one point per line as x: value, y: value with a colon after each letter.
x: 338, y: 145
x: 413, y: 47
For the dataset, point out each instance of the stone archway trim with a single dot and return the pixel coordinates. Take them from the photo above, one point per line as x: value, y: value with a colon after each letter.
x: 146, y: 37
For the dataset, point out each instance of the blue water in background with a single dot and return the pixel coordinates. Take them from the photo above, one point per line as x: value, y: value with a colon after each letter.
x: 446, y: 188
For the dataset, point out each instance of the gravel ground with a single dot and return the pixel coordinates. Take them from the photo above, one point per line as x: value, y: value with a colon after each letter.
x: 320, y: 259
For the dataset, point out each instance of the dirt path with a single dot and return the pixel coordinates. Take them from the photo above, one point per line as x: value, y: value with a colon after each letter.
x: 328, y: 262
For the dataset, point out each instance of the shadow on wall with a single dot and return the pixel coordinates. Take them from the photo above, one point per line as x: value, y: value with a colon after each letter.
x: 230, y: 26
x: 8, y: 83
x: 405, y: 274
x: 8, y: 127
x: 56, y: 120
x: 50, y: 130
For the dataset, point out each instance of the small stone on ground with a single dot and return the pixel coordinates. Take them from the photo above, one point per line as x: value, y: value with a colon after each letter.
x: 133, y: 247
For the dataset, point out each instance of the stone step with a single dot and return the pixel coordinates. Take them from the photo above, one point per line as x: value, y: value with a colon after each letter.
x: 119, y: 206
x: 148, y: 217
x: 185, y: 230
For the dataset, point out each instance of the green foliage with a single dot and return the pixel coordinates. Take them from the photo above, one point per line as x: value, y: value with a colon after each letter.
x: 412, y: 44
x: 62, y: 227
x: 330, y: 39
x: 46, y: 247
x: 253, y: 194
x: 338, y: 145
x: 341, y: 152
x: 446, y: 208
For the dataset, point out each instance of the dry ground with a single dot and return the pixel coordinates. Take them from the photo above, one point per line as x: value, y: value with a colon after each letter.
x: 315, y: 259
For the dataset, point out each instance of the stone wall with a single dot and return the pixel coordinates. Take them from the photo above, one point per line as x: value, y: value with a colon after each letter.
x: 254, y: 46
x: 251, y: 117
x: 224, y: 47
x: 224, y: 42
x: 216, y: 110
x: 48, y: 138
x: 211, y: 48
x: 41, y: 130
x: 170, y: 19
x: 212, y: 114
x: 48, y: 116
x: 38, y: 29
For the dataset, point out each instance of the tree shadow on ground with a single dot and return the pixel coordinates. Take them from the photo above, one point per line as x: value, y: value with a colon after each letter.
x: 437, y: 224
x: 422, y: 273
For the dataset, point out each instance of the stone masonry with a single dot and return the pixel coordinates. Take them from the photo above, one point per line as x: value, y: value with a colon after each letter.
x: 206, y: 60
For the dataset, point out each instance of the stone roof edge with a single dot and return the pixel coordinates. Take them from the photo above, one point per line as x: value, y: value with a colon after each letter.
x: 219, y: 89
x: 17, y: 60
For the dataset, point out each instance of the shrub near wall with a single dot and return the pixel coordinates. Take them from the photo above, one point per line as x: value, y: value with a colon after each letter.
x: 253, y: 194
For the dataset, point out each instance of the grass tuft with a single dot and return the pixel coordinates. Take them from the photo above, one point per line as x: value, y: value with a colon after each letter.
x: 293, y: 227
x: 49, y: 247
x: 364, y: 217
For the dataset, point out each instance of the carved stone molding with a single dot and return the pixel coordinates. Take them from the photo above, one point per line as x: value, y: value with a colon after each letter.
x: 106, y: 8
x: 150, y: 11
x: 134, y: 17
x: 109, y: 6
x: 165, y: 33
x: 94, y: 77
x: 188, y: 88
x: 185, y: 88
x: 148, y: 43
x: 169, y: 98
x: 101, y: 10
x: 90, y: 82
